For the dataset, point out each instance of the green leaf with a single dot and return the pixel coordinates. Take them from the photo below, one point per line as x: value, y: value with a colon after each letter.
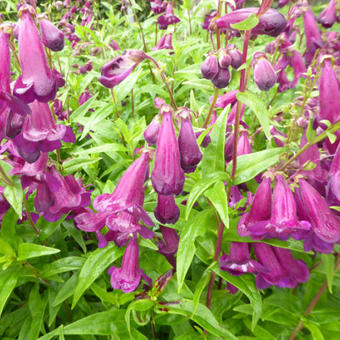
x: 203, y: 317
x: 66, y: 290
x: 63, y: 265
x: 186, y: 248
x: 6, y: 249
x: 8, y: 228
x: 218, y: 197
x: 245, y: 284
x: 315, y: 331
x: 258, y: 107
x: 328, y: 263
x: 200, y: 187
x: 83, y: 109
x: 201, y: 284
x: 76, y: 163
x: 106, y: 148
x: 14, y: 195
x: 93, y: 267
x: 187, y: 4
x: 246, y: 24
x: 213, y: 156
x: 250, y: 165
x: 29, y: 250
x: 8, y: 281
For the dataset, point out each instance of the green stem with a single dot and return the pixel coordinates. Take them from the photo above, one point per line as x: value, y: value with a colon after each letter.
x: 211, y: 108
x: 29, y: 217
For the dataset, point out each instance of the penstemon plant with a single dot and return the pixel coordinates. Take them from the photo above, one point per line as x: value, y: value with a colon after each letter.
x: 169, y: 169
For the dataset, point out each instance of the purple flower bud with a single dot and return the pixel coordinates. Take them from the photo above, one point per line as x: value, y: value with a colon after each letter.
x: 168, y: 18
x: 259, y: 212
x: 207, y: 19
x: 158, y: 6
x: 328, y: 16
x: 51, y: 36
x: 169, y: 248
x: 167, y: 176
x: 333, y: 187
x: 235, y: 55
x: 114, y: 45
x: 116, y: 70
x: 37, y: 80
x: 128, y: 276
x: 189, y: 150
x: 278, y: 136
x: 209, y: 68
x: 222, y: 78
x: 329, y: 93
x: 272, y: 22
x: 166, y: 212
x: 224, y: 59
x: 325, y: 224
x: 264, y: 74
x: 152, y: 131
x: 238, y: 261
x: 313, y: 36
x: 84, y: 97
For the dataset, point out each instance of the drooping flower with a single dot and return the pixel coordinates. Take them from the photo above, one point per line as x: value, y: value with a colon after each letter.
x: 333, y: 186
x: 238, y: 261
x: 158, y: 6
x: 167, y: 176
x: 51, y: 36
x: 114, y: 45
x: 166, y: 212
x: 170, y: 245
x: 264, y: 73
x: 328, y: 16
x: 168, y: 18
x: 152, y: 131
x: 37, y: 80
x: 116, y: 70
x: 165, y: 43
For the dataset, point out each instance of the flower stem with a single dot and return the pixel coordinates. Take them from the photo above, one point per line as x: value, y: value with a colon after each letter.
x: 4, y: 176
x: 29, y: 217
x: 114, y: 102
x: 315, y: 300
x: 211, y: 109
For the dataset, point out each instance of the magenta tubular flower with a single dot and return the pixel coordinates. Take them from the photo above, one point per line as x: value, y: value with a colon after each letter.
x: 116, y: 70
x: 189, y: 150
x: 259, y: 211
x: 313, y: 36
x: 283, y: 220
x: 238, y: 261
x: 329, y: 93
x: 278, y: 136
x: 51, y: 36
x: 168, y: 18
x: 296, y: 61
x: 263, y: 73
x: 328, y: 16
x: 152, y: 131
x: 166, y: 212
x: 128, y: 276
x: 209, y: 68
x: 272, y: 22
x: 37, y: 80
x: 222, y: 78
x: 170, y: 245
x: 167, y: 176
x: 333, y: 186
x: 114, y: 45
x: 325, y: 224
x: 158, y: 6
x: 226, y: 99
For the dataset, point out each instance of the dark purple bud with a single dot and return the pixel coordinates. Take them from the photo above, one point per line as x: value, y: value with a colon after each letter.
x: 328, y: 16
x: 235, y: 55
x: 152, y: 131
x: 222, y: 78
x: 51, y: 36
x: 224, y: 59
x: 166, y: 212
x: 209, y: 68
x: 264, y: 73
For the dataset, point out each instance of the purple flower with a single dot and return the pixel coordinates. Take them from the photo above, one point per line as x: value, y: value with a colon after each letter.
x: 166, y: 212
x: 128, y: 276
x: 226, y: 99
x: 235, y: 55
x: 170, y: 245
x: 264, y: 74
x: 328, y: 16
x: 51, y: 36
x: 333, y: 186
x: 164, y: 43
x: 259, y: 211
x: 168, y: 18
x: 329, y: 93
x: 152, y: 131
x: 189, y: 150
x: 158, y: 6
x: 222, y: 78
x: 37, y: 80
x: 209, y: 68
x: 238, y: 261
x: 167, y: 176
x: 283, y: 220
x: 114, y: 45
x: 272, y: 22
x: 116, y: 70
x: 325, y: 224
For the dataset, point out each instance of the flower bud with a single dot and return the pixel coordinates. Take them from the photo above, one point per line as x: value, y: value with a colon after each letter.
x: 264, y: 74
x: 51, y: 36
x: 209, y: 68
x: 222, y: 78
x: 166, y: 212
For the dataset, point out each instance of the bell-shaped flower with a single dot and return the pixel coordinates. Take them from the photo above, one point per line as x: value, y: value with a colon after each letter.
x: 167, y: 176
x: 168, y: 18
x: 52, y: 38
x: 189, y: 150
x: 263, y: 72
x: 259, y: 211
x: 238, y: 261
x: 165, y: 43
x: 283, y: 220
x: 272, y: 22
x: 209, y: 68
x: 158, y: 6
x: 152, y: 131
x: 329, y: 90
x: 224, y: 100
x: 170, y: 245
x: 37, y: 80
x: 166, y: 211
x: 128, y: 276
x: 333, y: 186
x: 116, y: 70
x: 313, y: 35
x: 325, y: 224
x: 328, y: 16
